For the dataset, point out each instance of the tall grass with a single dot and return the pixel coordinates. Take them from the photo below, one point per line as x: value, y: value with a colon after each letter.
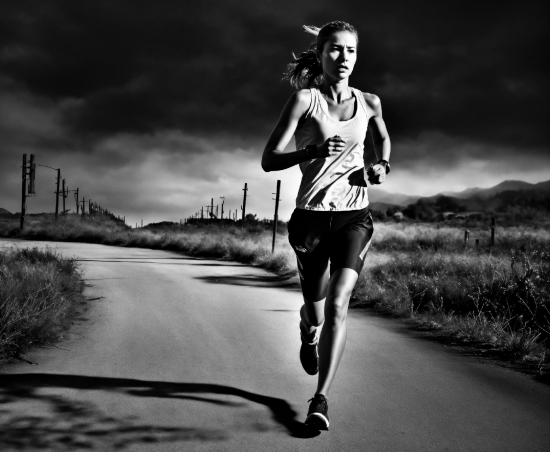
x: 39, y: 292
x: 504, y: 301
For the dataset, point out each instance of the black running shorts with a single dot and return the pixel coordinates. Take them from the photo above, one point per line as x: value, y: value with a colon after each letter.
x: 342, y: 237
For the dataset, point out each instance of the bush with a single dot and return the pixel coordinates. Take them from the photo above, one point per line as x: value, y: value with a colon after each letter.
x: 39, y: 291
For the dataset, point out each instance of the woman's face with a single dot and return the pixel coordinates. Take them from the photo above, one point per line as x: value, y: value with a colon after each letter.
x: 339, y: 55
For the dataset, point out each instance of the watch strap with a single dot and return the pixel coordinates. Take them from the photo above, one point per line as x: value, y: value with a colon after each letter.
x: 386, y: 164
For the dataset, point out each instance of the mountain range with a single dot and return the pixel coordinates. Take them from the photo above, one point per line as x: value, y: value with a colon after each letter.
x: 471, y: 198
x: 399, y: 199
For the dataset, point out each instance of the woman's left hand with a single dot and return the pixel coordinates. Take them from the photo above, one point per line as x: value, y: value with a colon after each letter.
x: 376, y: 174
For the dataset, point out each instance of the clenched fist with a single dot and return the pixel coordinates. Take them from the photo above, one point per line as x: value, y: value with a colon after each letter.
x: 376, y: 174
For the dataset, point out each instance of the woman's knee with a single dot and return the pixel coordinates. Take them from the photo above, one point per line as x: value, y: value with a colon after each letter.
x: 337, y: 311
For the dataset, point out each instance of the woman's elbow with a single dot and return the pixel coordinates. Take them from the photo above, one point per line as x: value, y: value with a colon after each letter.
x: 266, y: 165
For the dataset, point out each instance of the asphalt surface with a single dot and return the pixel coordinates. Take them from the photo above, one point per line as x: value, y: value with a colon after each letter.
x: 177, y: 353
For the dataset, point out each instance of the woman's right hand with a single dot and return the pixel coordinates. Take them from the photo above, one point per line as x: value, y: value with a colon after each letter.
x: 332, y: 146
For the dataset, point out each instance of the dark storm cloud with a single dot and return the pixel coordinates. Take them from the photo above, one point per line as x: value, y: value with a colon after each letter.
x: 476, y: 69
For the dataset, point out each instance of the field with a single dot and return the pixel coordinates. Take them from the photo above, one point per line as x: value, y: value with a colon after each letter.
x: 497, y: 297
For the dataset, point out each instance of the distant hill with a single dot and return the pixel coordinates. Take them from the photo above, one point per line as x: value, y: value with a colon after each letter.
x: 377, y: 195
x: 507, y: 185
x: 4, y: 212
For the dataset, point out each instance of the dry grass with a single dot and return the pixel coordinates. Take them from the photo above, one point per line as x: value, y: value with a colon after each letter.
x: 500, y: 300
x: 39, y: 291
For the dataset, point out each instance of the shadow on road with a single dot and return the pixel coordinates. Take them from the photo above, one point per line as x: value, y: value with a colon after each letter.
x: 141, y: 258
x: 267, y: 281
x: 70, y: 424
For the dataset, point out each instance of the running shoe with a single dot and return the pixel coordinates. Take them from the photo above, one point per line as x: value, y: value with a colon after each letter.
x: 317, y: 416
x: 308, y: 352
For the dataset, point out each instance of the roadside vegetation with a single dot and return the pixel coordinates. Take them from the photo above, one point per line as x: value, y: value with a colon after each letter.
x: 496, y: 296
x: 39, y: 295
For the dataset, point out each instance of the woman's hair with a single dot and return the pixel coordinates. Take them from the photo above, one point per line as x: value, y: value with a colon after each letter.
x: 306, y: 70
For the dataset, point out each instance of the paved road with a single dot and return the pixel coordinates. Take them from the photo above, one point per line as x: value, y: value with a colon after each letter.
x: 190, y: 354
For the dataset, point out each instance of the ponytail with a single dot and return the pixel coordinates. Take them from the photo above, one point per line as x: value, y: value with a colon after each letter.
x: 306, y: 70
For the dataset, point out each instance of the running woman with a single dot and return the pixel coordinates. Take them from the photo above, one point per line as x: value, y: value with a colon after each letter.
x: 332, y: 221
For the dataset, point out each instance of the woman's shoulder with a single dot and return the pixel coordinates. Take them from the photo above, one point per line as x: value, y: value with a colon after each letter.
x: 372, y: 101
x: 303, y: 96
x: 300, y: 102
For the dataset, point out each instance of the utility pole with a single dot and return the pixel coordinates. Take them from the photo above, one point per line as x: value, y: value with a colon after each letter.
x: 243, y: 207
x: 32, y: 175
x: 23, y: 192
x: 223, y: 201
x: 276, y: 214
x: 64, y: 196
x: 76, y: 199
x: 212, y: 208
x: 57, y: 193
x: 83, y: 205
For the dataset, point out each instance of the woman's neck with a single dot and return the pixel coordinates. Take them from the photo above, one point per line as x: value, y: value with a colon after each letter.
x: 337, y: 91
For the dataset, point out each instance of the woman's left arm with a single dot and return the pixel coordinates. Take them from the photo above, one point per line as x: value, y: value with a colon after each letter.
x: 379, y: 133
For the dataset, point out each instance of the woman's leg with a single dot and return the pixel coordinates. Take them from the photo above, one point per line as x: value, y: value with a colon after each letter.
x: 334, y: 332
x: 312, y: 313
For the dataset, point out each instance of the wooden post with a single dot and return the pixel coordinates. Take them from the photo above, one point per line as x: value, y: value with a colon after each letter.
x: 276, y: 215
x: 477, y: 244
x: 63, y: 195
x: 76, y: 198
x: 23, y: 193
x: 32, y: 175
x: 57, y: 193
x: 466, y: 238
x: 493, y: 226
x: 243, y: 207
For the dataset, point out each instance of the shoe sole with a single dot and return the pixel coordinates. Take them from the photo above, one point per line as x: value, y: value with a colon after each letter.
x: 317, y: 420
x: 309, y: 371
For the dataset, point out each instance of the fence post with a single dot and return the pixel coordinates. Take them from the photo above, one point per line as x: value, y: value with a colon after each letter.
x: 466, y: 238
x: 276, y: 214
x: 477, y: 244
x: 493, y: 226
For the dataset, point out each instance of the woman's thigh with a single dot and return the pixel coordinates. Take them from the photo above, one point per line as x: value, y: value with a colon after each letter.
x: 350, y: 241
x: 308, y: 235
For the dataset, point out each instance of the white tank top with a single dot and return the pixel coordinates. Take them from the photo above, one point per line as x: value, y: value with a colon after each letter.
x: 339, y: 182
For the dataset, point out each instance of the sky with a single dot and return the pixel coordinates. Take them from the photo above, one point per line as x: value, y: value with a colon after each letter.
x: 152, y: 109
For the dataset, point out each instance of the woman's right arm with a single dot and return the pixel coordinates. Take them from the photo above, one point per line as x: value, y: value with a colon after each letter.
x: 273, y: 158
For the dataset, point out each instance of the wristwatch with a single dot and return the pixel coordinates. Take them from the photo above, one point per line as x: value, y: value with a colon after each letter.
x: 386, y: 164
